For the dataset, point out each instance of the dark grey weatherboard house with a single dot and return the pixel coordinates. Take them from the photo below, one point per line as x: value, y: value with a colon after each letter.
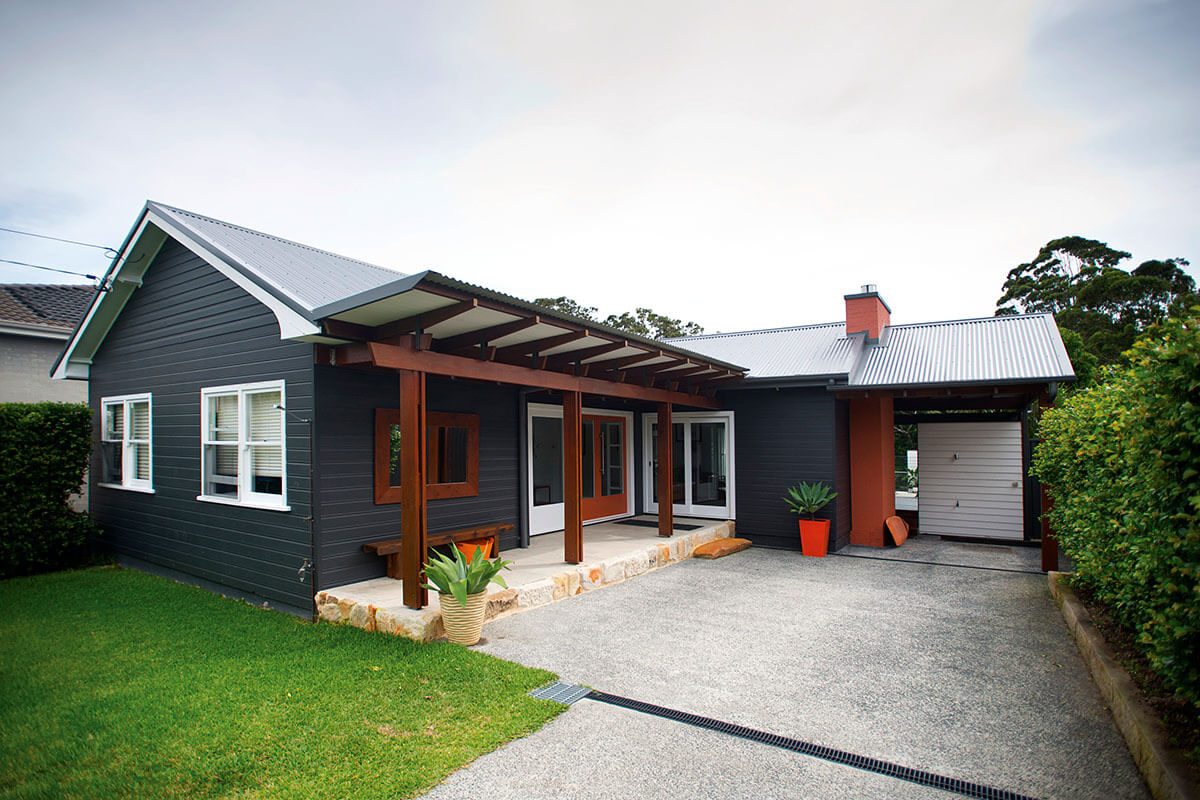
x: 253, y: 396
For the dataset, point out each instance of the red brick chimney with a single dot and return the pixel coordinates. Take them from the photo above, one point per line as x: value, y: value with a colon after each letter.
x: 866, y: 311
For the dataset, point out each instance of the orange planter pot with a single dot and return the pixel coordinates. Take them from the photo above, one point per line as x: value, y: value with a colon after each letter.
x: 814, y: 536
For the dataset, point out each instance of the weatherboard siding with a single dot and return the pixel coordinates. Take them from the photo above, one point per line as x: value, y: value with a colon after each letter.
x: 185, y: 329
x: 349, y: 516
x: 782, y: 437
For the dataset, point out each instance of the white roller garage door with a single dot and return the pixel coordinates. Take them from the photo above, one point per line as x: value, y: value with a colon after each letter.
x: 970, y: 476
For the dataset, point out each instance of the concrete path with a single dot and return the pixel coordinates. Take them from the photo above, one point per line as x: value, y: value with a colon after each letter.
x: 962, y: 672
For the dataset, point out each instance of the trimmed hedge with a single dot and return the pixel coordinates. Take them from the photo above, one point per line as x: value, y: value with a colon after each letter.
x: 1123, y: 461
x: 44, y: 450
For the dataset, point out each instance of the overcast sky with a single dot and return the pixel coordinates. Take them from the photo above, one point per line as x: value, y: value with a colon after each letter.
x: 740, y: 164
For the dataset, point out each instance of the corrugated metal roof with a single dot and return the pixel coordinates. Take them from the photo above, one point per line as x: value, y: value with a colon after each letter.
x: 803, y: 351
x: 308, y: 276
x: 1009, y: 349
x: 321, y: 284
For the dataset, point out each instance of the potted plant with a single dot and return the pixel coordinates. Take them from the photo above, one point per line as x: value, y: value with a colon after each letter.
x: 809, y: 498
x: 462, y: 591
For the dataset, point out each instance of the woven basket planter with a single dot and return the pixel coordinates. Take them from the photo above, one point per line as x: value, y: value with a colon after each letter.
x: 463, y: 623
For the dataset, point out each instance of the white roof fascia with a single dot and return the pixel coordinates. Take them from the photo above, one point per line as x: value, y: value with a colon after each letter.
x: 122, y: 277
x: 292, y: 324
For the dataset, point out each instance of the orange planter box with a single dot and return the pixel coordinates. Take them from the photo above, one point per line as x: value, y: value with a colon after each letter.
x: 814, y: 537
x: 488, y: 543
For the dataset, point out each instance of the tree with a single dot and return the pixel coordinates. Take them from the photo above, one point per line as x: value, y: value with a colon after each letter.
x: 645, y: 322
x: 565, y: 305
x: 1080, y: 281
x: 641, y: 321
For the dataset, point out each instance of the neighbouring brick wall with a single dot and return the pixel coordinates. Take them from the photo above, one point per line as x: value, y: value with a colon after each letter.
x: 25, y: 372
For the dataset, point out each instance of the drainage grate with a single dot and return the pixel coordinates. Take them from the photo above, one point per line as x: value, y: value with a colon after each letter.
x: 917, y: 776
x: 560, y: 692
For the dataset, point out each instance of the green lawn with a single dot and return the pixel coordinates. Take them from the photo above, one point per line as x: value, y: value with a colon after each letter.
x: 118, y: 684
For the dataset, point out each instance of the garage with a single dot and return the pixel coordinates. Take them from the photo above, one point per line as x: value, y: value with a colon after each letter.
x: 971, y: 479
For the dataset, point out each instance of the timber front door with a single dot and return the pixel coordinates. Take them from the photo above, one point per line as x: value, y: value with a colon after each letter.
x: 606, y: 466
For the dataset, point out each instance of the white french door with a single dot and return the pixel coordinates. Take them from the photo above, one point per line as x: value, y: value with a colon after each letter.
x: 702, y: 478
x: 606, y: 454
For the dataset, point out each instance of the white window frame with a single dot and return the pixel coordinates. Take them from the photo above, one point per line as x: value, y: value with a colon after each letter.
x: 246, y: 496
x: 128, y: 458
x: 729, y: 510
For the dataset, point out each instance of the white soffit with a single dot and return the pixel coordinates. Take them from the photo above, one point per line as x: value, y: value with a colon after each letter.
x: 579, y: 344
x: 539, y: 331
x: 399, y: 306
x: 476, y: 319
x: 123, y: 277
x: 625, y: 351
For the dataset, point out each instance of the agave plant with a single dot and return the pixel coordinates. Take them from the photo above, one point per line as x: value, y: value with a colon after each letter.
x: 458, y: 577
x: 809, y: 498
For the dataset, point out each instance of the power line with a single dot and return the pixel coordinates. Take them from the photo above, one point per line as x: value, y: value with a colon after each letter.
x: 57, y: 239
x: 49, y: 269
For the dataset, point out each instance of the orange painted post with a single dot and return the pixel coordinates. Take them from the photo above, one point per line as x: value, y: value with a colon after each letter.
x: 872, y: 469
x: 572, y: 477
x: 412, y: 487
x: 666, y: 471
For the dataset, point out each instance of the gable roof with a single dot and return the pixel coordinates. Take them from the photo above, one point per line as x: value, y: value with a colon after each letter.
x: 304, y: 277
x: 1012, y: 349
x: 306, y: 288
x: 42, y: 310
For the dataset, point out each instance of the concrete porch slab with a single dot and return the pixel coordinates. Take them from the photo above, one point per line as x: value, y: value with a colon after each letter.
x: 613, y: 552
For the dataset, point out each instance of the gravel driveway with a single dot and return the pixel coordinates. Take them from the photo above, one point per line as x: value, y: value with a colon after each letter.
x: 962, y: 672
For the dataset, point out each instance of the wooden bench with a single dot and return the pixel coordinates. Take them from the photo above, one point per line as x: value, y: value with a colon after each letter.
x: 391, y: 547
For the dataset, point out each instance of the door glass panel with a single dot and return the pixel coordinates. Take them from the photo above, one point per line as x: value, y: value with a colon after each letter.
x: 677, y: 487
x: 708, y: 463
x: 677, y: 463
x: 547, y: 461
x: 612, y: 474
x: 587, y: 458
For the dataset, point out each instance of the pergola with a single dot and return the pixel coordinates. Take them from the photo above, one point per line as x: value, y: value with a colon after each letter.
x: 428, y: 324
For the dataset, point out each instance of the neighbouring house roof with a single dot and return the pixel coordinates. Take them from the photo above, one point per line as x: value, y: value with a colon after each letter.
x: 48, y: 311
x: 1012, y: 349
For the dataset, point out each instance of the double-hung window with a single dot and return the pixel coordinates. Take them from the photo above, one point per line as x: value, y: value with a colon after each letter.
x: 244, y: 452
x: 125, y: 442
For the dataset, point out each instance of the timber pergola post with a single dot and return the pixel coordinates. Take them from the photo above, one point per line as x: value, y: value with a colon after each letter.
x: 666, y: 471
x: 412, y: 486
x: 572, y: 477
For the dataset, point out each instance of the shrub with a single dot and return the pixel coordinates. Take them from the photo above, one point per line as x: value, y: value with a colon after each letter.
x: 1123, y: 461
x: 44, y: 450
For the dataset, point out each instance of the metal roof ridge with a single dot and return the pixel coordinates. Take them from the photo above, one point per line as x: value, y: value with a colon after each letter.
x: 301, y: 245
x: 965, y: 320
x: 758, y: 330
